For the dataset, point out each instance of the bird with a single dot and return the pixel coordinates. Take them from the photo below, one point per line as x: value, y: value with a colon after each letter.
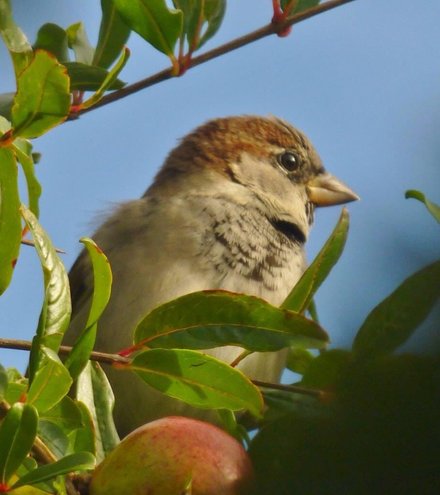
x: 231, y: 209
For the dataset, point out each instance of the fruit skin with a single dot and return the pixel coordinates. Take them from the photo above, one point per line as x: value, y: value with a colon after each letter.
x: 166, y: 456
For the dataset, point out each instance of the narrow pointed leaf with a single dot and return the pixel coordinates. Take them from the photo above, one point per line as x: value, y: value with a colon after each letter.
x: 23, y: 150
x: 53, y: 38
x: 393, y: 321
x: 152, y: 20
x: 51, y: 382
x: 302, y: 294
x: 109, y: 80
x: 55, y: 314
x: 93, y: 389
x: 102, y: 282
x: 79, y: 43
x: 113, y: 34
x: 10, y: 221
x: 432, y: 207
x: 6, y: 102
x: 197, y: 379
x: 17, y: 434
x: 89, y: 77
x: 43, y: 96
x: 74, y: 462
x: 207, y: 319
x: 14, y: 38
x: 214, y: 14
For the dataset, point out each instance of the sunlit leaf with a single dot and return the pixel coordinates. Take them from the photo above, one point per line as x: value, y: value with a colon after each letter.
x: 55, y: 314
x: 152, y: 20
x: 23, y: 150
x: 393, y: 321
x: 14, y: 38
x: 50, y: 383
x: 69, y: 464
x: 301, y: 295
x: 43, y: 96
x: 102, y: 281
x: 110, y: 79
x: 10, y: 221
x: 93, y: 389
x: 113, y: 34
x: 432, y: 207
x: 53, y: 38
x: 17, y: 434
x: 197, y: 379
x: 79, y: 43
x: 207, y: 319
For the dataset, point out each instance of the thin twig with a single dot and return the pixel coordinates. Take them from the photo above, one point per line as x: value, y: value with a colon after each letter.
x: 291, y: 388
x: 106, y: 358
x: 269, y: 29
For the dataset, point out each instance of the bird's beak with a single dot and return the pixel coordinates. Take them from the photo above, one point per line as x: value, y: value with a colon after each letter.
x: 326, y: 190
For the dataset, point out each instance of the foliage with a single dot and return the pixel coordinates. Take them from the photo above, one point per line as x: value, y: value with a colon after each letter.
x: 321, y: 442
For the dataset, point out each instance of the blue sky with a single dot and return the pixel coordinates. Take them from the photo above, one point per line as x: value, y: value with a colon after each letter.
x: 362, y: 81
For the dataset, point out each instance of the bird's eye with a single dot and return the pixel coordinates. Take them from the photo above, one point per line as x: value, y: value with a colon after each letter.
x: 289, y: 161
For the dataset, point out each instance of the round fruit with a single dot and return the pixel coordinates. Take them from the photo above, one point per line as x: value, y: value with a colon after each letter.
x: 175, y: 456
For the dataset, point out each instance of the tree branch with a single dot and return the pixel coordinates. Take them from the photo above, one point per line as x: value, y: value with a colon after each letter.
x: 269, y: 29
x: 106, y: 358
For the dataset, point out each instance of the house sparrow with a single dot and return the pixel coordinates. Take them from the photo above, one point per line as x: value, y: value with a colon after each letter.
x: 231, y: 209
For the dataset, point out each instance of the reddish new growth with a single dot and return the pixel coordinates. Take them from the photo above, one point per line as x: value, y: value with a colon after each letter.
x: 279, y: 16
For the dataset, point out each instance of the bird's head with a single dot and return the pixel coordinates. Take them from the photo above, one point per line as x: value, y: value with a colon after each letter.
x: 262, y: 162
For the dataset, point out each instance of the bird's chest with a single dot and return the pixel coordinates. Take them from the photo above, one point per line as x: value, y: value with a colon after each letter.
x: 249, y: 255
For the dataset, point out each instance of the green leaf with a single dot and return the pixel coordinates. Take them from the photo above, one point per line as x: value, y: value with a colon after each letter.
x: 74, y: 462
x: 79, y: 43
x: 393, y: 321
x: 93, y: 389
x: 65, y: 414
x: 152, y: 20
x: 17, y: 434
x: 109, y: 80
x: 14, y: 38
x: 23, y: 150
x: 55, y: 314
x: 328, y: 369
x: 83, y: 439
x: 6, y: 102
x: 113, y: 34
x: 433, y: 208
x: 102, y: 283
x: 3, y: 382
x: 214, y: 13
x: 89, y: 77
x: 51, y: 382
x: 207, y: 319
x: 298, y: 360
x: 10, y: 221
x: 53, y: 38
x: 302, y: 294
x: 43, y: 96
x: 201, y: 20
x: 197, y: 379
x: 299, y: 5
x: 54, y: 437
